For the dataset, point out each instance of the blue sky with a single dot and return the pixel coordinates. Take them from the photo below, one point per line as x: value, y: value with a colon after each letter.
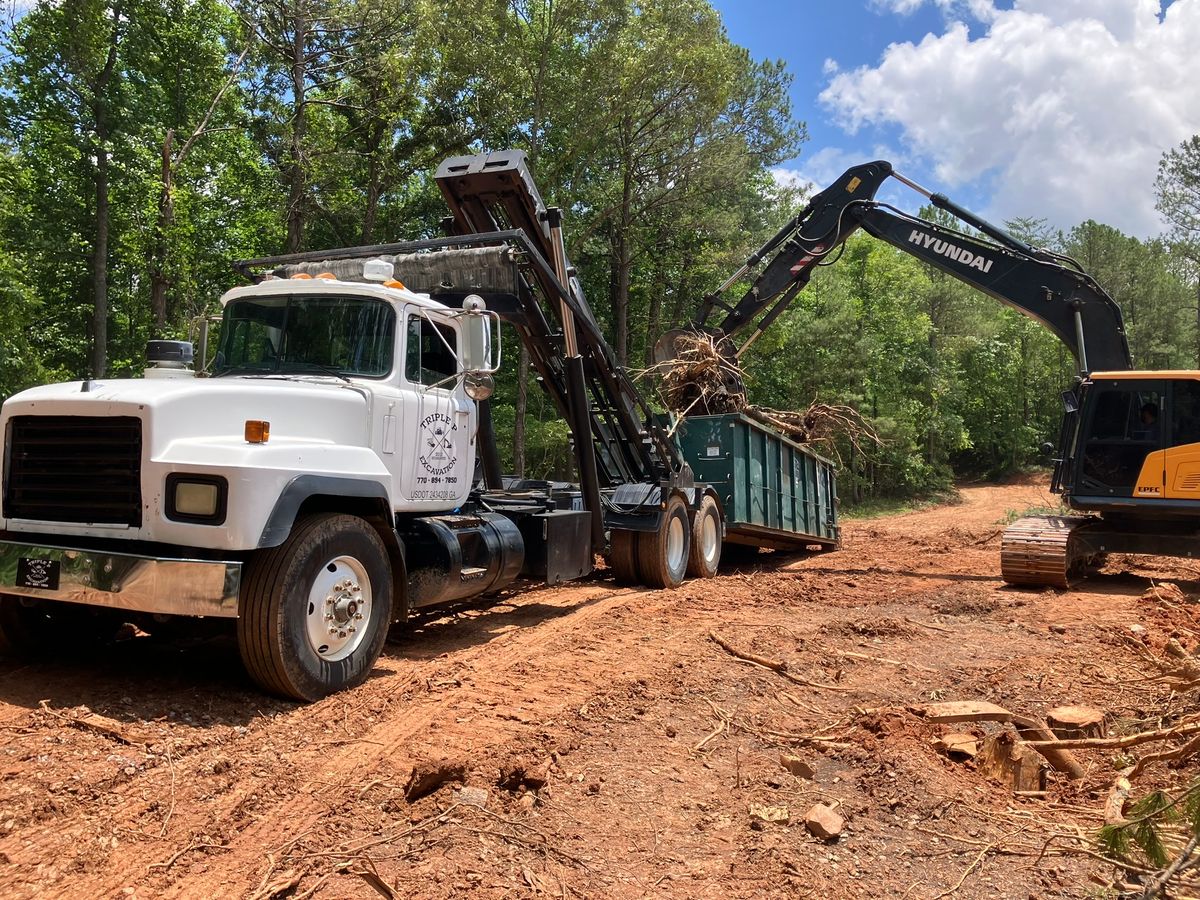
x: 1058, y: 109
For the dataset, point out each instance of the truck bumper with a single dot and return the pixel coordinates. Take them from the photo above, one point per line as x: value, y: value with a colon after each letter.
x: 165, y: 586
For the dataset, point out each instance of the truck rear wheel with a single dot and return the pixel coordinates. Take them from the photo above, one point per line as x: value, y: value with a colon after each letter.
x: 622, y: 556
x: 704, y: 553
x: 315, y: 610
x: 662, y: 555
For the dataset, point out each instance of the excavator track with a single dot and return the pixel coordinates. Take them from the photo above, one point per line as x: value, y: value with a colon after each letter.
x: 1042, y: 550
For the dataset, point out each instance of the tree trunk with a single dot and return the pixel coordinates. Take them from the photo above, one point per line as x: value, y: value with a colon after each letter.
x: 621, y: 306
x: 296, y: 173
x: 99, y: 360
x: 934, y: 363
x: 371, y: 212
x: 624, y: 254
x: 159, y: 282
x: 677, y: 314
x: 374, y: 186
x: 654, y: 328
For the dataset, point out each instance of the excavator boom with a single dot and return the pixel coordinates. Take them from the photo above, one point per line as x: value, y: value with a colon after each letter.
x: 1046, y: 286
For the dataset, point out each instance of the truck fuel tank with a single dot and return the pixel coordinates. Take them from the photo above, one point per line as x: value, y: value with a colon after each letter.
x: 454, y: 557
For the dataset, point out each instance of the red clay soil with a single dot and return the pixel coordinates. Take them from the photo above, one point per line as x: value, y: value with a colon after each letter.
x: 596, y: 742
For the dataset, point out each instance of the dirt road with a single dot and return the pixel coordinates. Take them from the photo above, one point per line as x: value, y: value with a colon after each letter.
x: 608, y: 745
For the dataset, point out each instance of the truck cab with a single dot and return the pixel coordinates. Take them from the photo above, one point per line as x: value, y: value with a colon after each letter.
x: 332, y: 438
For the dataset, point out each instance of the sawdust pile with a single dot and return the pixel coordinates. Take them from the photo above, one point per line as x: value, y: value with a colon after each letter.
x: 702, y: 381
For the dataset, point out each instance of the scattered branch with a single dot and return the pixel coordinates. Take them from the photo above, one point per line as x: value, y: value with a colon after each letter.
x: 1119, y: 743
x: 779, y: 668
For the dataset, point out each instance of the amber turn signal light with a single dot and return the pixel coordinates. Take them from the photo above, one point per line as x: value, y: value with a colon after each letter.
x: 257, y: 431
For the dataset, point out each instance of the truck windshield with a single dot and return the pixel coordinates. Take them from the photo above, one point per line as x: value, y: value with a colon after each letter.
x: 306, y: 334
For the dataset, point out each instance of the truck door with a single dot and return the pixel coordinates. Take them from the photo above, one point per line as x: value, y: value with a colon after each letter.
x: 1182, y: 464
x: 436, y: 423
x: 1122, y: 439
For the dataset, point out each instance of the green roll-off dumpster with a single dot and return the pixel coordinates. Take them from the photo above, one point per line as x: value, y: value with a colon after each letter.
x: 775, y: 492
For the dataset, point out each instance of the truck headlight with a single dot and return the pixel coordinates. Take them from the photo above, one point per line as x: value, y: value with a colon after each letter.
x: 196, y: 498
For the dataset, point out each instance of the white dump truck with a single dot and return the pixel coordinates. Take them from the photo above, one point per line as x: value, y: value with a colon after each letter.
x: 320, y: 480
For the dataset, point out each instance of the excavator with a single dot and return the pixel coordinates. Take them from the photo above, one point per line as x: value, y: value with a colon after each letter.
x: 1127, y: 463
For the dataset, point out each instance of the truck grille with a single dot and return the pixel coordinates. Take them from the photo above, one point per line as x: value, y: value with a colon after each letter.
x: 74, y: 469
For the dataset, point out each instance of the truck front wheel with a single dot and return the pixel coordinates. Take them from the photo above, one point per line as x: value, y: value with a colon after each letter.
x: 314, y: 611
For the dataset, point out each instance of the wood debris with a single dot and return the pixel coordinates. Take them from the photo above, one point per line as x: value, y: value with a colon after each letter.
x: 797, y: 766
x: 701, y: 380
x: 704, y: 379
x: 964, y: 711
x: 1009, y: 760
x: 957, y: 745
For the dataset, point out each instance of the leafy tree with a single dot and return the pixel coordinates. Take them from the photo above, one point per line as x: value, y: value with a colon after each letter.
x: 688, y: 117
x: 93, y: 91
x: 70, y: 103
x: 1177, y: 190
x: 1137, y: 276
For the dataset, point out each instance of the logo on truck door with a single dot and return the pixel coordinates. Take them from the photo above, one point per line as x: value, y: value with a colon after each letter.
x: 436, y: 453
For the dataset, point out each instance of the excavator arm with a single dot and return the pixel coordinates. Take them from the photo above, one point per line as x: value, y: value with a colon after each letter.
x: 1046, y: 286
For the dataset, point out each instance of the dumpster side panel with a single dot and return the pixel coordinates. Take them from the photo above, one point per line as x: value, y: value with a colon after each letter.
x: 775, y: 492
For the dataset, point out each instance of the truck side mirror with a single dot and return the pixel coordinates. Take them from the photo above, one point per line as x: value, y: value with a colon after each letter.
x: 1047, y: 449
x: 481, y: 349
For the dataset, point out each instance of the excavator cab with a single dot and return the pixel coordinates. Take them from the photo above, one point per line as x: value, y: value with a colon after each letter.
x: 1139, y: 439
x: 1121, y: 438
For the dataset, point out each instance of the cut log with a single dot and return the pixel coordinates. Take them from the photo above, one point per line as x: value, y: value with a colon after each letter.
x: 957, y: 746
x: 1037, y: 732
x: 965, y: 711
x: 1006, y: 758
x: 1076, y: 722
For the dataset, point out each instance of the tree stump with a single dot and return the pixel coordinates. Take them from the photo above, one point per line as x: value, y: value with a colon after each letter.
x: 1076, y: 722
x: 1010, y: 761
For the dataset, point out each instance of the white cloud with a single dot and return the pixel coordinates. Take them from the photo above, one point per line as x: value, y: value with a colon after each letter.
x: 983, y: 10
x: 1065, y: 105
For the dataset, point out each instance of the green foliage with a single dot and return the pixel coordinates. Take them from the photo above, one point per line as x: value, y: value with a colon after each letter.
x: 894, y: 506
x: 1011, y: 515
x: 1140, y: 838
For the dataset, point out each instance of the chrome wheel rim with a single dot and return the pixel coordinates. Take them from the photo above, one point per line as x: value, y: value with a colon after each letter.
x: 710, y: 540
x: 339, y: 608
x: 676, y: 545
